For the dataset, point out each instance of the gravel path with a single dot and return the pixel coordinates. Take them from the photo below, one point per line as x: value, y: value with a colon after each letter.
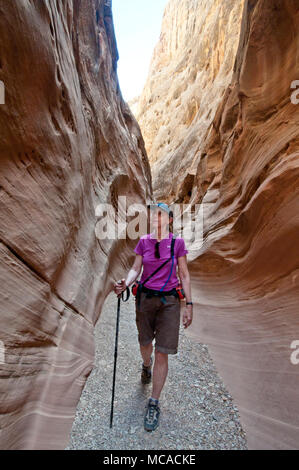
x: 196, y: 410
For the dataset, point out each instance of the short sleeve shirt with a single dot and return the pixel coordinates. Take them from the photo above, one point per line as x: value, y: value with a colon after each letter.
x: 146, y: 248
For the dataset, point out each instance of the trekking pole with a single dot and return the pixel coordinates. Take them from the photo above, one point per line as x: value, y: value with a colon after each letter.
x: 121, y: 296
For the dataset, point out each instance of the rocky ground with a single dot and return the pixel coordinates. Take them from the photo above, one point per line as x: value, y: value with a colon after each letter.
x: 196, y: 410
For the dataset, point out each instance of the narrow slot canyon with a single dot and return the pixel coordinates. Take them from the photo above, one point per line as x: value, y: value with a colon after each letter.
x: 215, y: 131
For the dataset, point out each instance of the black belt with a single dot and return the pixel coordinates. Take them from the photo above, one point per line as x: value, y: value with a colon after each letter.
x: 158, y: 293
x: 154, y: 293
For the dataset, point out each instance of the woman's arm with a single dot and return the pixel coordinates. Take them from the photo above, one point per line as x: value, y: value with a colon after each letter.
x: 184, y: 276
x: 134, y: 272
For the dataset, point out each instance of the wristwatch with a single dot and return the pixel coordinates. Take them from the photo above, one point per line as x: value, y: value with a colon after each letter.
x: 189, y: 303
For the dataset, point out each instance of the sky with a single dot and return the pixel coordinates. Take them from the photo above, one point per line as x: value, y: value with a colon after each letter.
x: 137, y: 26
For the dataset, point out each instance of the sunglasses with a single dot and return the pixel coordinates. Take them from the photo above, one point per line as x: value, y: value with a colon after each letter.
x: 157, y: 252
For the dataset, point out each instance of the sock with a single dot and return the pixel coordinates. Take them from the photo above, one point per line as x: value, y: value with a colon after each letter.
x: 154, y: 400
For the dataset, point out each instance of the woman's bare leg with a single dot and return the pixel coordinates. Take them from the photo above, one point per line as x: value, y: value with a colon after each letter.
x: 146, y: 352
x: 159, y: 373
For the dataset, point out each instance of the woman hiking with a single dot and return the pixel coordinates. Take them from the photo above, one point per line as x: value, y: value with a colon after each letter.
x: 158, y: 302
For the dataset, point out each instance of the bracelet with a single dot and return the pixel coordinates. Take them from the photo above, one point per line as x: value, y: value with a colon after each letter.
x: 189, y: 303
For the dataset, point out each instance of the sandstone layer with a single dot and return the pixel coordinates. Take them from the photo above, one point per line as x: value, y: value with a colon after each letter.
x: 191, y: 68
x: 245, y: 275
x: 68, y: 143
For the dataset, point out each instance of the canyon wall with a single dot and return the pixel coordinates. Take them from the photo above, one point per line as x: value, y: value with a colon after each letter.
x: 68, y: 143
x: 245, y: 175
x: 190, y: 70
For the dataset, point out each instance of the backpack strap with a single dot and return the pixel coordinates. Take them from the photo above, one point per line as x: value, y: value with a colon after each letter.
x: 172, y: 245
x: 172, y: 258
x: 158, y: 269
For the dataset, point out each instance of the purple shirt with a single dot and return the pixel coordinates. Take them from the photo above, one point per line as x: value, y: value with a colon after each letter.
x: 146, y: 248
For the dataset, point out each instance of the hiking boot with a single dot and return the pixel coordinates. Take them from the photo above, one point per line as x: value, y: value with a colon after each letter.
x: 151, y: 418
x: 146, y: 374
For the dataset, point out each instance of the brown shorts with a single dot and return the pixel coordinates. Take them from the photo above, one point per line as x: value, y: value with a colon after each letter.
x: 159, y: 321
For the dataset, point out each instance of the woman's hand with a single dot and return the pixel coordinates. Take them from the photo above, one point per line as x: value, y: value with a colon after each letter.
x: 187, y: 316
x: 120, y: 286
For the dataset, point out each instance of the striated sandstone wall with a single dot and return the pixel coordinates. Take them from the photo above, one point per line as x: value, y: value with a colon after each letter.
x: 190, y: 70
x: 245, y: 277
x: 68, y: 143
